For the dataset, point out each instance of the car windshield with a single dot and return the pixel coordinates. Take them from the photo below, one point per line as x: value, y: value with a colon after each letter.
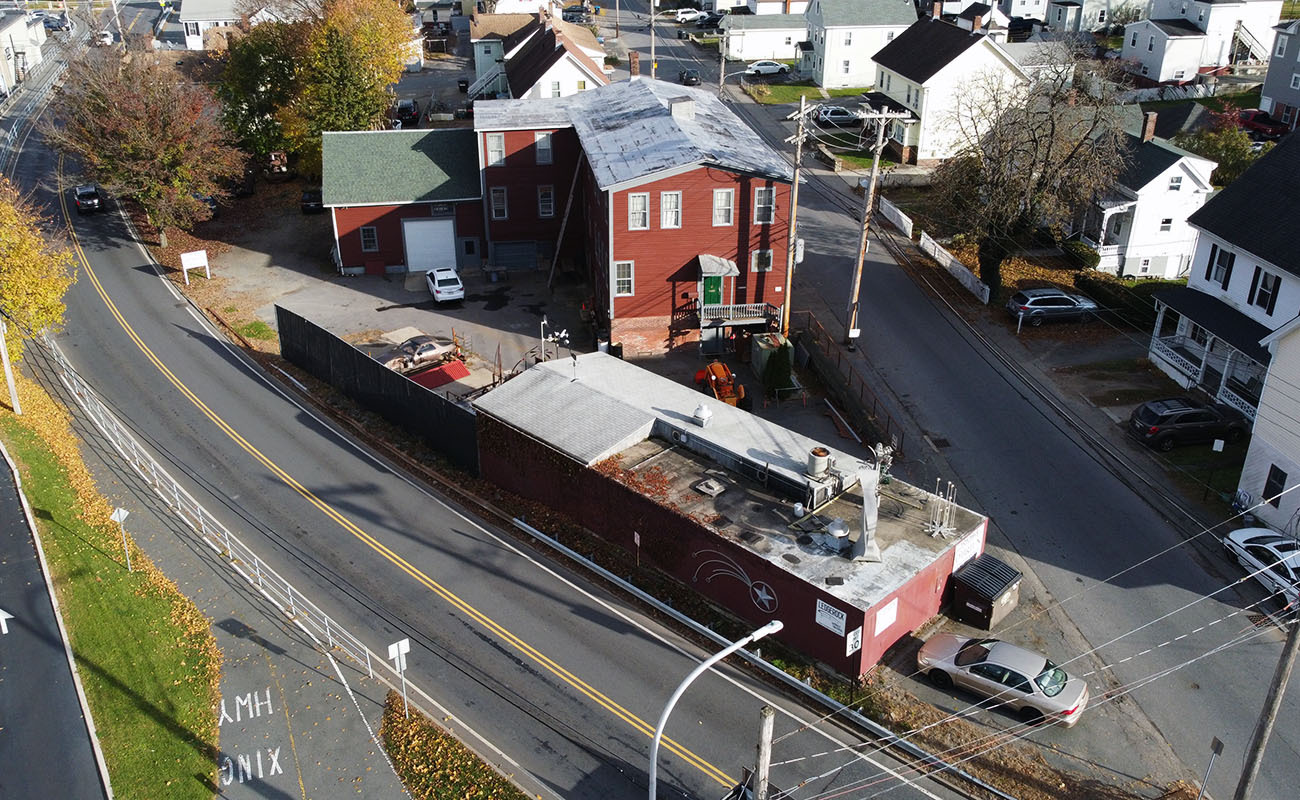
x: 1052, y: 680
x: 973, y: 652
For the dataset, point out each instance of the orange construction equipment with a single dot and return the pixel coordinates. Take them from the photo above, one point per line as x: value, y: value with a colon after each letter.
x: 718, y: 379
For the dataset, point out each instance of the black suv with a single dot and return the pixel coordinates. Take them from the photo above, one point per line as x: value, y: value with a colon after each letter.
x: 87, y: 198
x: 1165, y: 424
x: 408, y: 113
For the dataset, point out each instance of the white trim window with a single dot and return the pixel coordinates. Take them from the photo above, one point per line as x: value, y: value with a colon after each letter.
x: 545, y: 201
x: 638, y: 211
x: 1281, y: 46
x: 624, y: 278
x: 1176, y: 183
x: 845, y: 66
x: 191, y: 29
x: 848, y: 38
x: 542, y: 147
x: 670, y: 209
x: 555, y: 88
x: 760, y: 261
x: 499, y: 208
x: 1295, y: 80
x: 369, y: 239
x: 1166, y: 224
x: 496, y: 149
x: 724, y: 207
x: 764, y: 205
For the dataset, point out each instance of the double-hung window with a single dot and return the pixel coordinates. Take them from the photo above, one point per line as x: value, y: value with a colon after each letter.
x: 542, y: 146
x: 760, y: 261
x: 498, y: 195
x: 670, y: 209
x: 1176, y: 183
x: 764, y: 206
x: 369, y: 239
x: 1264, y: 288
x: 1166, y: 224
x: 1219, y: 269
x: 724, y: 205
x: 638, y: 211
x: 555, y: 88
x: 496, y: 149
x: 545, y: 201
x: 623, y: 279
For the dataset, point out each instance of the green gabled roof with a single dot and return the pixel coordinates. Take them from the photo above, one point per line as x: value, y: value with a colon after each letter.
x: 403, y: 166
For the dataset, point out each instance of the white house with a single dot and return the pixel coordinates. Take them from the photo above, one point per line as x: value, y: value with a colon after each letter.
x: 1273, y: 459
x: 924, y: 71
x: 1026, y: 9
x: 1184, y: 38
x: 1139, y: 228
x: 750, y: 36
x: 1077, y: 15
x: 1243, y: 285
x: 843, y: 35
x: 533, y: 55
x: 197, y: 17
x: 22, y: 37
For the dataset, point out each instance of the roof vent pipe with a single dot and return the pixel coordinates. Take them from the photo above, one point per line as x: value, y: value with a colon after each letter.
x: 819, y: 459
x: 865, y: 548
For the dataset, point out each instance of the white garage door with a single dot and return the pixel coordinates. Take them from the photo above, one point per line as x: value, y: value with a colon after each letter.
x: 429, y: 243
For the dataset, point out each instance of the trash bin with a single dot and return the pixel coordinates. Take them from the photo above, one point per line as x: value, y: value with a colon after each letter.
x: 984, y: 590
x: 616, y: 350
x: 463, y: 86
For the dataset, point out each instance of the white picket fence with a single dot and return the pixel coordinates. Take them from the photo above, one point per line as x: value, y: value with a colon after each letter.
x: 955, y: 268
x: 895, y: 215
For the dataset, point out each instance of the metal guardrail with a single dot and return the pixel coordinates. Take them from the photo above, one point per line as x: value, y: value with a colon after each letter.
x: 207, y: 528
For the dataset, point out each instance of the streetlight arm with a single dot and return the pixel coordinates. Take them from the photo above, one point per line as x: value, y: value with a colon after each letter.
x: 770, y: 628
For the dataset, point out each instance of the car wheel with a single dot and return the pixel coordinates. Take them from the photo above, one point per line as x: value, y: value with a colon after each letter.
x: 1234, y: 435
x: 1030, y: 716
x: 1036, y: 321
x: 782, y: 70
x: 940, y: 678
x: 1165, y: 444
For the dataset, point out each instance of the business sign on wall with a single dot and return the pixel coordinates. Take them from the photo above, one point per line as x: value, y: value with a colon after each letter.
x: 831, y: 618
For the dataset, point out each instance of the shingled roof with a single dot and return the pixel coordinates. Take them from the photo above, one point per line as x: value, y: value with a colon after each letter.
x: 1257, y: 211
x: 855, y: 13
x: 362, y: 168
x: 542, y: 52
x: 919, y: 52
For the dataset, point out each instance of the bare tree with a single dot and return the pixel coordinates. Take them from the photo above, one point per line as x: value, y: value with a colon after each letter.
x: 1031, y: 153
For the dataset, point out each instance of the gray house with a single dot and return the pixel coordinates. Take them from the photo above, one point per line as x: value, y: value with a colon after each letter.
x: 1281, y: 93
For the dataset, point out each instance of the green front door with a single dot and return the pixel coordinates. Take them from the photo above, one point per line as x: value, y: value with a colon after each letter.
x: 713, y: 290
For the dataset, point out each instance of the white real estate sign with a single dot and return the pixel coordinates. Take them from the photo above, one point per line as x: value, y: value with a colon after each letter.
x: 831, y: 618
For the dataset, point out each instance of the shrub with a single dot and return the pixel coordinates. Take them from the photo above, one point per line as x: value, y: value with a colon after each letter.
x: 1082, y: 253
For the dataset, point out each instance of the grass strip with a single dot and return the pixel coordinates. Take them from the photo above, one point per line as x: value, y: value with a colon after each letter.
x: 147, y: 658
x: 433, y: 764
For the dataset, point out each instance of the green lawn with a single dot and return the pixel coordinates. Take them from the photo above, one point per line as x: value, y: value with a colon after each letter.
x: 789, y: 93
x: 145, y: 653
x: 1217, y: 103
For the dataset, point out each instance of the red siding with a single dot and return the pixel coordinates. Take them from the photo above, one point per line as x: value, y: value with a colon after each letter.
x: 666, y: 275
x: 387, y: 221
x: 521, y: 176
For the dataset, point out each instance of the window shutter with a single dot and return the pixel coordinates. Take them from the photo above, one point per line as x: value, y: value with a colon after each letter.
x: 1209, y: 265
x: 1272, y: 298
x: 1254, y: 284
x: 1227, y: 270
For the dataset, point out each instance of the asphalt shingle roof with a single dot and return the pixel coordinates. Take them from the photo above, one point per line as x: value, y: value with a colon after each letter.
x: 857, y: 13
x: 1146, y: 160
x: 1257, y: 211
x: 403, y: 166
x: 1177, y: 27
x: 919, y: 52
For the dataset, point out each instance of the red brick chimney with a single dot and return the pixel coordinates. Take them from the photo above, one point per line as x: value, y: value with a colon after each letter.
x: 1148, y: 125
x: 977, y: 24
x: 938, y: 9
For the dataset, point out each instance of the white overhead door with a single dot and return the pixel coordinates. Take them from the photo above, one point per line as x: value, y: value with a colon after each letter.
x: 429, y: 243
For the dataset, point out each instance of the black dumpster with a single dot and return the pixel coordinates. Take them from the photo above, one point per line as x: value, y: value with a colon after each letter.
x: 463, y: 86
x: 984, y: 590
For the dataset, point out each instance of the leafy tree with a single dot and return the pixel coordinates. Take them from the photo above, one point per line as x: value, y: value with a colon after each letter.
x: 258, y: 81
x: 1031, y: 154
x: 142, y: 133
x: 1224, y: 142
x: 352, y: 56
x: 34, y: 273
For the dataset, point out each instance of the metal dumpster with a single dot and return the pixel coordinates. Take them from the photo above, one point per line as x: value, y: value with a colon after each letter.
x: 984, y: 590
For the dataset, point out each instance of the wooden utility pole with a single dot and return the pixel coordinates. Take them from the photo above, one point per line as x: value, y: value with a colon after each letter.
x: 9, y: 372
x: 794, y: 215
x: 653, y: 63
x: 766, y: 717
x: 722, y: 60
x: 882, y: 118
x: 1268, y: 717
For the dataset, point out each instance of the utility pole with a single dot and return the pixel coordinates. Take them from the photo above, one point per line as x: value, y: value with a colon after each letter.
x: 653, y: 3
x: 766, y: 716
x: 794, y: 215
x: 722, y: 60
x: 1268, y: 717
x: 9, y: 372
x: 882, y: 118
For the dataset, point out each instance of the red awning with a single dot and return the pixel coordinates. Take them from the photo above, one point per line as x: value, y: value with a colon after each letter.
x: 441, y: 375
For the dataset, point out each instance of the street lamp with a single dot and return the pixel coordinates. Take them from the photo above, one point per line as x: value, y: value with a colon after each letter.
x: 770, y: 628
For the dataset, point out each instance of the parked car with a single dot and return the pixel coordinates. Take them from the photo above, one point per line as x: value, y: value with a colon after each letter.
x: 1256, y: 121
x: 59, y: 23
x: 709, y: 22
x: 837, y: 117
x: 444, y: 284
x: 312, y: 201
x: 1019, y: 679
x: 767, y: 68
x: 408, y: 113
x: 424, y: 349
x: 1271, y: 558
x: 1039, y: 305
x: 689, y: 77
x: 88, y: 198
x: 578, y: 16
x: 1165, y: 424
x: 103, y: 39
x: 685, y: 15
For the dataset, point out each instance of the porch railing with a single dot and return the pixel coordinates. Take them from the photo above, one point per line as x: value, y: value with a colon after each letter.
x: 732, y: 313
x: 1165, y: 349
x: 1231, y: 398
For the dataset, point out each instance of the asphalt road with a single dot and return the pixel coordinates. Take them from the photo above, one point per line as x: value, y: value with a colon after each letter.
x: 45, y: 746
x: 558, y: 683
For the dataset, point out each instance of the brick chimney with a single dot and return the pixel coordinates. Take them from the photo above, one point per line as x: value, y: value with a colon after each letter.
x: 634, y: 63
x: 1148, y: 125
x: 976, y: 24
x: 938, y: 9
